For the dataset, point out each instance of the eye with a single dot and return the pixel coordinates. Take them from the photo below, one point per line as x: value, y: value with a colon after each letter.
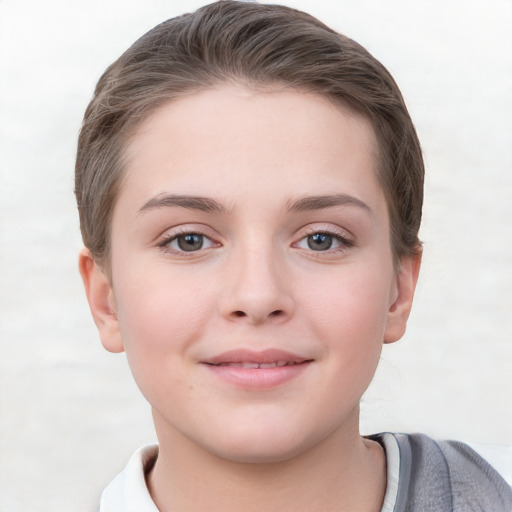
x: 186, y: 242
x: 189, y: 242
x: 321, y: 241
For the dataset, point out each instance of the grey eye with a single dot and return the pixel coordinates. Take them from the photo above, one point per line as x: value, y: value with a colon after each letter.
x: 319, y: 242
x: 190, y: 242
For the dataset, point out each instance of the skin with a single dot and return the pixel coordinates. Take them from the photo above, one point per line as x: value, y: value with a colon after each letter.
x: 262, y: 279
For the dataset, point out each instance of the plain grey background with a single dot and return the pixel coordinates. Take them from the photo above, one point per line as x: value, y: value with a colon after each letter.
x: 70, y: 413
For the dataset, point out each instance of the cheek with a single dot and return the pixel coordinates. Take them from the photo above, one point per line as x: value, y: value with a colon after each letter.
x: 157, y: 326
x: 159, y: 316
x: 350, y: 322
x: 353, y: 302
x: 349, y: 315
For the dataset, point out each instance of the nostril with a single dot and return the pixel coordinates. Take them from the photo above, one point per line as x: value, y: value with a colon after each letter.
x: 242, y: 314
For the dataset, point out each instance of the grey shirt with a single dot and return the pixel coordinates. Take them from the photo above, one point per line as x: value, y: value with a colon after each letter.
x: 440, y: 476
x: 423, y: 475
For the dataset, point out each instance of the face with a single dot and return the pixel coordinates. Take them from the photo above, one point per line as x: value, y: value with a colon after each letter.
x: 253, y: 281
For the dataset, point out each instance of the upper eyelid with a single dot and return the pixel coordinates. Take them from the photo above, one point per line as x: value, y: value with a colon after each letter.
x: 175, y: 231
x: 164, y: 242
x: 340, y: 238
x: 204, y: 230
x: 331, y: 229
x: 165, y: 239
x: 346, y: 239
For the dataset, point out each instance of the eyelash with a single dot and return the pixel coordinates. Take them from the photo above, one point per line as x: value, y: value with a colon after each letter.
x: 337, y: 235
x: 165, y: 242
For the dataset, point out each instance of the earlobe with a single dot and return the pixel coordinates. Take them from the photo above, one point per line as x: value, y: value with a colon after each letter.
x: 399, y: 310
x: 101, y: 301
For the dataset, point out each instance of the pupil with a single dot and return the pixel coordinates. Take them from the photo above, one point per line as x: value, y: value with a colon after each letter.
x: 319, y: 242
x: 190, y: 242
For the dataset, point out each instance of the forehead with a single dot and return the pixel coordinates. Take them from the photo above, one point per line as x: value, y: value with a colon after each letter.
x: 223, y: 134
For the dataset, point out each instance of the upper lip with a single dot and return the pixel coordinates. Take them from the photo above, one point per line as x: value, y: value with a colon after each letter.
x: 268, y: 356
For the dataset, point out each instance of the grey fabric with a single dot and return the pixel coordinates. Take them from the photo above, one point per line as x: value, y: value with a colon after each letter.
x: 446, y: 476
x: 432, y: 476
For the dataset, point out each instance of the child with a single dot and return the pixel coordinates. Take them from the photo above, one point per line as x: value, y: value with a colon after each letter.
x: 250, y: 188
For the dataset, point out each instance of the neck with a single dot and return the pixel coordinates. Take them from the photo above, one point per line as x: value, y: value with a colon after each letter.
x: 343, y: 472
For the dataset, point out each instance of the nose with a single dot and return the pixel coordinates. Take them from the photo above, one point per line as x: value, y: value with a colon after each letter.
x: 258, y: 288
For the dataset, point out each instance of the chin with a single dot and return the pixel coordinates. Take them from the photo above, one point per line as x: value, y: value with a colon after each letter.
x: 259, y: 455
x: 262, y: 446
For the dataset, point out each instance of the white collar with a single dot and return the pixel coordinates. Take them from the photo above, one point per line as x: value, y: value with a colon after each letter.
x: 128, y: 491
x: 393, y: 471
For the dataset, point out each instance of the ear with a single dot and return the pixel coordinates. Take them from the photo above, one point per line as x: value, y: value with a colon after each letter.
x: 403, y: 294
x: 101, y: 301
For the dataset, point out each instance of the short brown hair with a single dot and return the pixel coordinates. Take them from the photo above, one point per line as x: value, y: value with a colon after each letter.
x: 255, y: 45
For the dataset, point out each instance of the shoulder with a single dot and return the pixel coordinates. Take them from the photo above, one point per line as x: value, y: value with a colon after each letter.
x: 128, y: 492
x: 449, y: 474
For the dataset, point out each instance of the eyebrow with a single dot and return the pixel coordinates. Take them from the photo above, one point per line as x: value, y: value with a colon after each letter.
x: 209, y: 205
x: 202, y: 204
x: 310, y: 203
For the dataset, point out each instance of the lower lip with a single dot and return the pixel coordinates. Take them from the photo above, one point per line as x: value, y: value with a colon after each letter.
x: 258, y: 378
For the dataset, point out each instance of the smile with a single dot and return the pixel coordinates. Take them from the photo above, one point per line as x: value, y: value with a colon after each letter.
x: 257, y: 370
x: 270, y: 358
x: 253, y: 365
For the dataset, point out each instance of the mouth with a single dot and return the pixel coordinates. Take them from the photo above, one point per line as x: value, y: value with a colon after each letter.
x: 252, y: 365
x: 270, y: 358
x: 257, y: 370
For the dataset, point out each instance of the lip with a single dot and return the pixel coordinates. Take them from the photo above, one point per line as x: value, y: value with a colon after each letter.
x: 257, y: 370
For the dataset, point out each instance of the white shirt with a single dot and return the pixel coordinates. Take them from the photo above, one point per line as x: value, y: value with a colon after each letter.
x: 128, y: 491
